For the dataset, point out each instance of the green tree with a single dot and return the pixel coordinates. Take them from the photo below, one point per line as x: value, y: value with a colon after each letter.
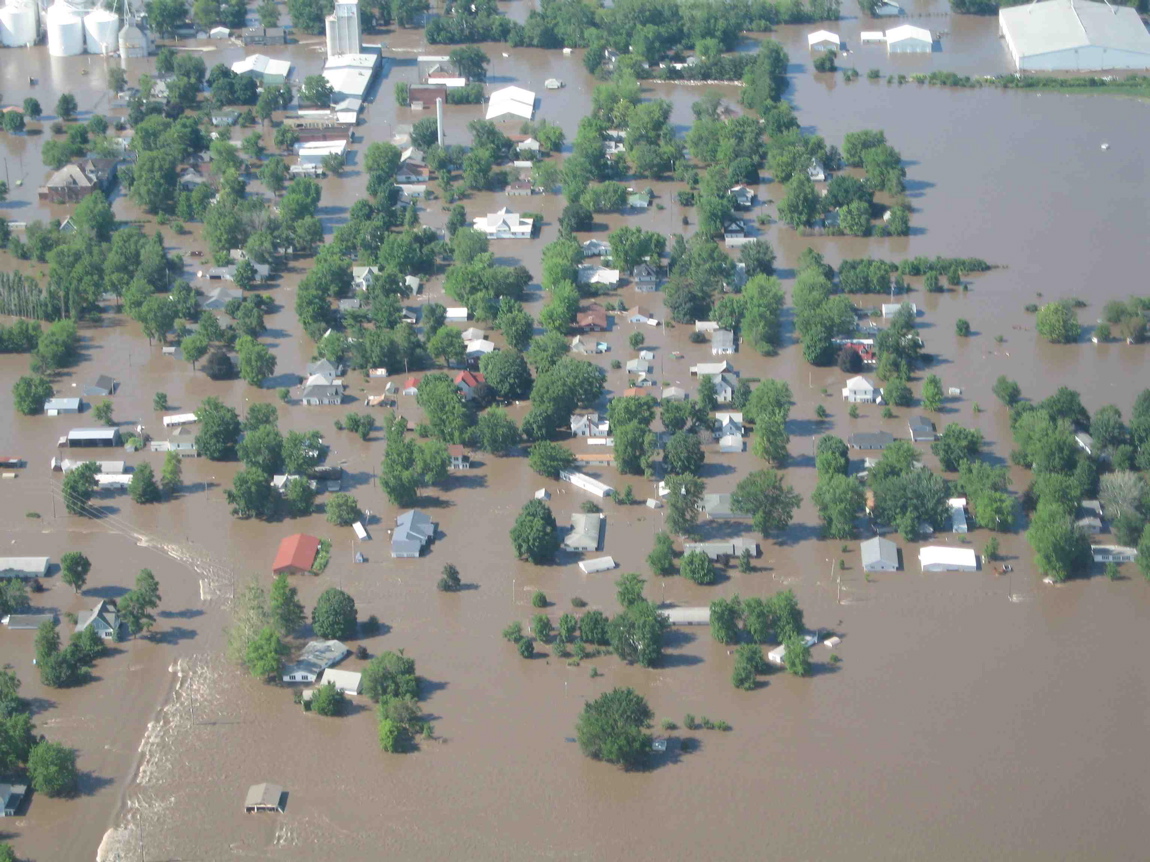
x: 1057, y: 322
x: 103, y: 412
x: 251, y: 494
x: 137, y: 604
x: 636, y: 634
x: 74, y: 568
x: 32, y: 108
x: 343, y: 510
x: 629, y: 589
x: 286, y: 610
x: 611, y: 728
x: 770, y: 503
x: 797, y: 658
x: 471, y: 63
x: 52, y: 769
x: 299, y: 497
x: 66, y: 106
x: 390, y: 676
x: 334, y: 615
x: 447, y: 344
x: 549, y: 459
x: 684, y: 494
x: 697, y: 566
x: 839, y: 500
x: 1144, y: 552
x: 219, y: 430
x: 328, y: 700
x: 662, y: 556
x: 78, y: 487
x: 143, y: 487
x: 801, y: 205
x: 1060, y: 548
x: 449, y: 582
x: 172, y: 473
x: 535, y: 536
x: 1007, y: 391
x: 725, y: 616
x: 684, y: 454
x: 593, y: 627
x: 749, y: 663
x: 495, y: 432
x: 956, y: 445
x: 932, y: 393
x: 30, y: 393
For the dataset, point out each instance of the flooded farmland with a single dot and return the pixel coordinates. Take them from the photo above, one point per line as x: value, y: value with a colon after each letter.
x: 972, y: 715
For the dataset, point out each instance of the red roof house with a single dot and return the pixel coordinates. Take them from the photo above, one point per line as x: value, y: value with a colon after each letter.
x: 467, y: 382
x: 594, y: 319
x: 296, y: 555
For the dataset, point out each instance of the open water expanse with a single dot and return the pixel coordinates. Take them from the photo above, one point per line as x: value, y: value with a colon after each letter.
x: 973, y: 716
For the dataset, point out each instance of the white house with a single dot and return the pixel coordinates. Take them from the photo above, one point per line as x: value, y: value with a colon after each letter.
x: 890, y: 309
x: 589, y: 425
x: 316, y: 657
x: 347, y: 681
x: 722, y: 342
x: 957, y: 514
x: 939, y: 558
x: 822, y: 40
x: 908, y: 39
x: 727, y: 424
x: 859, y: 390
x: 725, y: 385
x: 596, y: 248
x: 504, y: 225
x: 879, y: 555
x: 586, y: 483
x: 642, y: 315
x: 591, y: 274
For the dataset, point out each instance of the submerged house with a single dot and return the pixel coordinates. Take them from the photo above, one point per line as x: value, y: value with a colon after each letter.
x: 414, y: 531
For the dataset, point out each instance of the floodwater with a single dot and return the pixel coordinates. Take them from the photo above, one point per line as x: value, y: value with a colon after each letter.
x: 972, y: 716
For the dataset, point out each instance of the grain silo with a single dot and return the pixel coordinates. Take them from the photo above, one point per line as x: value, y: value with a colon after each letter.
x: 101, y: 32
x: 65, y: 30
x: 19, y: 25
x: 133, y: 42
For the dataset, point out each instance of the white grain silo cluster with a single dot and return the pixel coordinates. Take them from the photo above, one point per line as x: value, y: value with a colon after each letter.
x: 65, y: 29
x: 19, y: 24
x: 101, y: 32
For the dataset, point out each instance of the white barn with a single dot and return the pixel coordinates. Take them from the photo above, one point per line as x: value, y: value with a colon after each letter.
x: 1074, y: 35
x: 586, y: 483
x: 908, y: 39
x: 938, y: 558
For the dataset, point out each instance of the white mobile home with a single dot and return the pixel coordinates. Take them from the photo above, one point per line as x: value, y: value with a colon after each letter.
x: 586, y: 483
x: 599, y: 564
x: 178, y: 419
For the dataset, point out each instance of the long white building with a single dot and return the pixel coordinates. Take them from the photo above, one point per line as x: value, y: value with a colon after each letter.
x: 1074, y: 35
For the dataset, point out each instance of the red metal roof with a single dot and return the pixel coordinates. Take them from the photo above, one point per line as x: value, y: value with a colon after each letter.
x: 471, y: 378
x: 296, y: 552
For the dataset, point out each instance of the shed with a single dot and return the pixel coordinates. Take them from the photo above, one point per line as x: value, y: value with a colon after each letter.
x: 23, y: 567
x: 822, y: 40
x: 12, y: 797
x: 939, y: 558
x: 27, y: 622
x: 264, y: 797
x: 599, y: 564
x: 958, y: 514
x: 102, y: 387
x: 296, y: 554
x: 60, y: 406
x: 890, y: 309
x: 1074, y: 35
x: 879, y: 555
x: 347, y: 681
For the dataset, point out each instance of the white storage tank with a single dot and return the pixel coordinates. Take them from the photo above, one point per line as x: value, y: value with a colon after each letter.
x: 133, y: 42
x: 18, y: 25
x: 102, y: 32
x: 65, y: 31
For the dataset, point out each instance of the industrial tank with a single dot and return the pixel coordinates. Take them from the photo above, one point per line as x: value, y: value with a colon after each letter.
x: 133, y: 42
x: 18, y: 25
x: 65, y: 31
x: 101, y: 32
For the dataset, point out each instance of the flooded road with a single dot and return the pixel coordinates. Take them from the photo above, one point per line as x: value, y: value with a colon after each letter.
x: 972, y: 716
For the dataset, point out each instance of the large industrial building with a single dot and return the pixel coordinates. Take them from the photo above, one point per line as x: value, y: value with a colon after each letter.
x: 1074, y: 35
x: 343, y: 29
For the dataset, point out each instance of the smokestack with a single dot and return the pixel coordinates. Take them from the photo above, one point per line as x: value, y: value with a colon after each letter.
x: 439, y: 119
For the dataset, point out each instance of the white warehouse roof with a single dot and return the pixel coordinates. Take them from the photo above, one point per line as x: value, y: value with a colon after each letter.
x: 262, y: 66
x: 906, y: 32
x: 823, y: 36
x: 940, y: 558
x: 511, y: 100
x: 1075, y: 35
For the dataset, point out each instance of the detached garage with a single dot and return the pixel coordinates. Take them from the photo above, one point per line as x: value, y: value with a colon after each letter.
x: 942, y: 559
x: 1074, y: 36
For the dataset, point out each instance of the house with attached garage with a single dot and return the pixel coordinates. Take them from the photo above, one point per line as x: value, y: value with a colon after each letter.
x: 316, y: 394
x: 316, y: 657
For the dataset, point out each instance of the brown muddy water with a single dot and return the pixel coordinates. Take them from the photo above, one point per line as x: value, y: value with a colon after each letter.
x: 972, y: 716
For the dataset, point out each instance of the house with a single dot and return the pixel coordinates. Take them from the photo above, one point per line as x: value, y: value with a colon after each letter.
x: 589, y: 425
x: 957, y: 514
x: 504, y: 225
x: 870, y: 440
x: 60, y: 406
x: 742, y: 197
x: 824, y: 40
x: 584, y: 347
x: 89, y: 438
x: 586, y: 483
x: 182, y: 441
x: 263, y: 36
x: 362, y: 276
x: 596, y: 248
x: 725, y: 385
x: 414, y: 531
x: 816, y: 172
x: 411, y: 386
x: 1113, y: 554
x: 264, y: 69
x: 879, y: 555
x: 921, y: 429
x: 104, y: 619
x: 908, y: 39
x: 225, y: 118
x: 410, y: 174
x: 476, y: 350
x: 939, y: 558
x: 528, y: 145
x: 12, y: 797
x: 731, y: 443
x: 511, y: 102
x: 1089, y: 517
x: 316, y: 657
x: 705, y: 326
x: 642, y: 315
x: 718, y: 507
x: 520, y: 189
x: 467, y: 382
x: 734, y: 228
x: 890, y: 309
x: 722, y: 342
x: 188, y: 181
x: 323, y: 371
x: 778, y: 654
x: 886, y: 9
x: 23, y: 567
x: 264, y: 797
x: 859, y: 390
x: 346, y: 681
x: 460, y: 460
x: 639, y: 201
x: 590, y: 274
x: 175, y: 420
x: 280, y: 481
x: 586, y: 528
x: 723, y: 551
x: 473, y: 333
x: 217, y: 300
x: 710, y: 369
x: 74, y: 182
x: 592, y: 319
x: 296, y: 555
x: 102, y: 387
x: 864, y: 347
x: 315, y: 394
x: 646, y: 277
x: 455, y: 314
x: 728, y: 424
x: 1085, y: 442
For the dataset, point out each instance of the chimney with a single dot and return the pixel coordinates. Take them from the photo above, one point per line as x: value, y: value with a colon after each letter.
x: 439, y: 118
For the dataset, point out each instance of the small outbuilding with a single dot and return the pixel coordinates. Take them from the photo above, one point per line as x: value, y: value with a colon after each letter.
x: 879, y: 555
x: 908, y: 39
x: 264, y: 797
x: 939, y: 558
x: 12, y: 797
x: 296, y: 555
x: 346, y: 681
x: 824, y: 40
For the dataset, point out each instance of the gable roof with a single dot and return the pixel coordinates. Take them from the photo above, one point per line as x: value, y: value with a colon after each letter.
x: 104, y: 618
x: 470, y: 379
x: 511, y: 100
x: 877, y: 550
x: 296, y: 552
x: 317, y: 656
